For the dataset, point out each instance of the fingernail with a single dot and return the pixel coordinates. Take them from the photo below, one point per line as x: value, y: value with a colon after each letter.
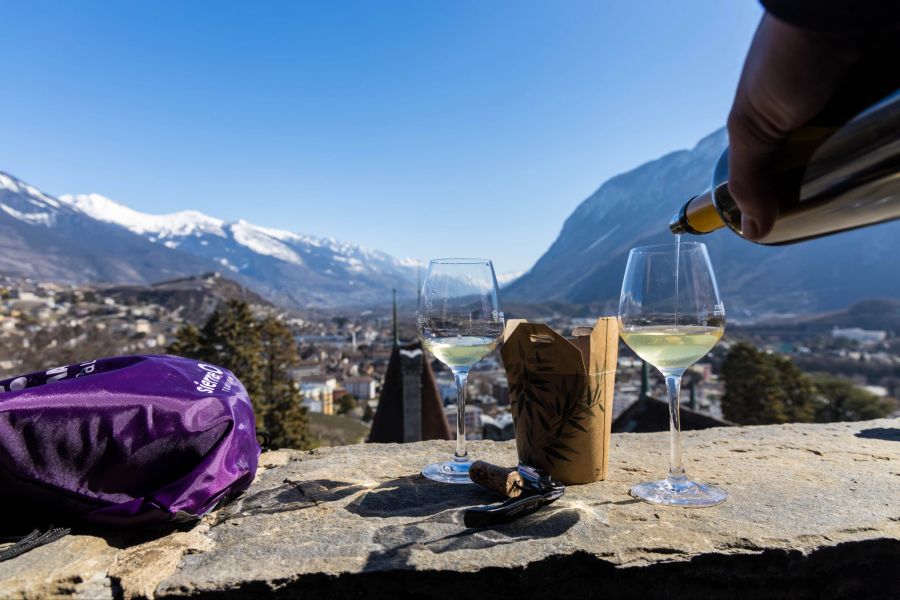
x: 749, y: 227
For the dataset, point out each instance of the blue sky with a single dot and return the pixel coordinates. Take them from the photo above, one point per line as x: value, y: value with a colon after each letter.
x: 421, y: 128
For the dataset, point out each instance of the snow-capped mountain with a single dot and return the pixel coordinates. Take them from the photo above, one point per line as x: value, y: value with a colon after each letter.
x: 182, y: 223
x: 505, y: 279
x: 287, y: 267
x: 43, y: 238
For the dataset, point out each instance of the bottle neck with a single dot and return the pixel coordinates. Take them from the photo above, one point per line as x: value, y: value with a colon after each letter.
x: 697, y: 216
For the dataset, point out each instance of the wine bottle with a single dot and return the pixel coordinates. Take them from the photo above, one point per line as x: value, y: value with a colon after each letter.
x: 837, y: 178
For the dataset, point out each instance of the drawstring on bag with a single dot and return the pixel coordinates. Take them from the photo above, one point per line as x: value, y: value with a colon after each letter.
x: 35, y: 539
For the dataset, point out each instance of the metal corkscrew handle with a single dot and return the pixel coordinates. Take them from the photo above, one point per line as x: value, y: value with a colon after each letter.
x: 541, y: 491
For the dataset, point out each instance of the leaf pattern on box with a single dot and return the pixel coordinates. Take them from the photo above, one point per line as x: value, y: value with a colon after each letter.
x: 550, y: 407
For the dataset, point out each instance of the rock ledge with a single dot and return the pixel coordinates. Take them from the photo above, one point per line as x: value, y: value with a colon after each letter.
x: 813, y: 512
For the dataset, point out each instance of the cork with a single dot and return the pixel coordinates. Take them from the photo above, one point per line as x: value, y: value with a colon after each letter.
x: 506, y: 482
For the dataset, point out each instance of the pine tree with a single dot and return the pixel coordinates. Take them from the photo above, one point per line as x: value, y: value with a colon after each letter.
x: 187, y: 342
x: 282, y: 415
x: 368, y: 413
x: 763, y: 388
x: 261, y: 354
x: 743, y: 401
x: 346, y: 404
x: 842, y: 400
x: 798, y: 393
x: 231, y: 339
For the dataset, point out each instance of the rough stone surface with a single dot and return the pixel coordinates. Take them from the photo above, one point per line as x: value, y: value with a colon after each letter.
x: 813, y: 511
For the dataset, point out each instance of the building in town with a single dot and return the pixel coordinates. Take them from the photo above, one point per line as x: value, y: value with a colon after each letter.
x: 362, y: 387
x: 857, y: 334
x: 318, y: 397
x: 473, y: 421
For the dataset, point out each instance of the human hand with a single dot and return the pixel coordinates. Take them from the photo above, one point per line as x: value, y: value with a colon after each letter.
x: 788, y: 77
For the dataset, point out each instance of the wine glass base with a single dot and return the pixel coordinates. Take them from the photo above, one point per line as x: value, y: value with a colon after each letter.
x: 687, y: 493
x: 454, y: 471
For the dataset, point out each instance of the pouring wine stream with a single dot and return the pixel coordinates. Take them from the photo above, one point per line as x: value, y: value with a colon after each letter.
x: 677, y: 262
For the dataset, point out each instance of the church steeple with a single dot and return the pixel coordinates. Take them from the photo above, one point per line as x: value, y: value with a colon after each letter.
x: 410, y: 407
x: 396, y: 325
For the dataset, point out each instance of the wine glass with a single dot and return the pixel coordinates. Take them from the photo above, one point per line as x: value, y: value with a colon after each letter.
x: 459, y: 322
x: 670, y: 314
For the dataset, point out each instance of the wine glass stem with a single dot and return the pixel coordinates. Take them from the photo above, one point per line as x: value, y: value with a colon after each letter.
x: 677, y: 473
x: 461, y: 375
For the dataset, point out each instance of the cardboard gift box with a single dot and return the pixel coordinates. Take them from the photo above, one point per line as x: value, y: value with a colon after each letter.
x: 561, y: 395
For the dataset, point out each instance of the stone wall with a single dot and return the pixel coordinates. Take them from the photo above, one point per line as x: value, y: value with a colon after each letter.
x: 813, y: 512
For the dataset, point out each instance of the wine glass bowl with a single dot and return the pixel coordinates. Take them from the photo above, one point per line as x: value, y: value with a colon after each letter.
x: 671, y: 315
x: 459, y: 321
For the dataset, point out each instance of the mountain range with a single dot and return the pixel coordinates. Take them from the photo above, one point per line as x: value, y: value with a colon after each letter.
x: 586, y: 263
x: 90, y: 238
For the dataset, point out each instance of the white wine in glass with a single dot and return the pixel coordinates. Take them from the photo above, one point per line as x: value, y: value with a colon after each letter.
x: 672, y: 347
x: 459, y: 322
x: 670, y: 314
x: 460, y: 351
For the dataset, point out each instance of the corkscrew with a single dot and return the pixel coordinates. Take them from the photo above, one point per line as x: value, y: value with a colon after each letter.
x: 540, y: 490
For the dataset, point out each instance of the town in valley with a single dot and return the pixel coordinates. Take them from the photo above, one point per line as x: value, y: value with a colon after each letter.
x: 344, y: 353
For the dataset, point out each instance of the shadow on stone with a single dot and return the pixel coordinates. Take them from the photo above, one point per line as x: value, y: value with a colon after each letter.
x: 291, y: 495
x: 865, y: 569
x: 620, y: 502
x: 416, y: 496
x: 546, y: 523
x: 442, y: 529
x: 120, y: 538
x: 399, y: 541
x: 880, y: 433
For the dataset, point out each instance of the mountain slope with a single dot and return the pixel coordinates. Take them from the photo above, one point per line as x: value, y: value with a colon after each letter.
x: 90, y: 238
x: 289, y: 267
x: 192, y: 298
x: 42, y: 238
x: 586, y: 262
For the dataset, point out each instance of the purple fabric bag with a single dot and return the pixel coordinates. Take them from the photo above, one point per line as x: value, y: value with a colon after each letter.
x: 125, y: 440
